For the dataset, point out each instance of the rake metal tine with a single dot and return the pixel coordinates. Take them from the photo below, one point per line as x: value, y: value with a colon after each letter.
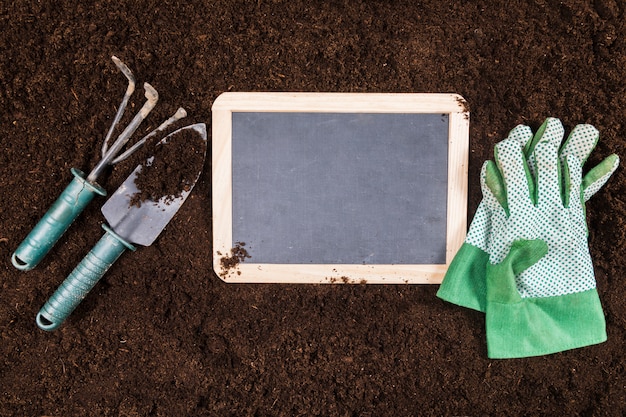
x: 180, y: 114
x: 151, y: 99
x: 120, y: 111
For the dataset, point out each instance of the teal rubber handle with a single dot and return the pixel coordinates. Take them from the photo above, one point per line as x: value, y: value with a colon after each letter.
x: 80, y: 281
x: 56, y: 221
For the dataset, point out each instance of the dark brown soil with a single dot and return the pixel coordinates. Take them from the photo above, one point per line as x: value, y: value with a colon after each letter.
x: 162, y: 335
x: 237, y: 255
x: 172, y: 168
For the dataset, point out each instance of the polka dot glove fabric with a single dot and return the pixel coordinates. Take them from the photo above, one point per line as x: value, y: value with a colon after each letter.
x: 540, y: 286
x: 464, y: 283
x: 539, y: 210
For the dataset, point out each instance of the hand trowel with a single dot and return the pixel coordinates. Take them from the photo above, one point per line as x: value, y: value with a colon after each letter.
x: 128, y: 224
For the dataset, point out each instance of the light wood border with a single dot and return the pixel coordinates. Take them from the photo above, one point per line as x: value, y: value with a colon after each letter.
x: 250, y: 272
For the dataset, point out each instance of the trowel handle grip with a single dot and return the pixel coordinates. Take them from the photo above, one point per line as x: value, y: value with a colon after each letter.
x: 55, y: 222
x: 81, y: 280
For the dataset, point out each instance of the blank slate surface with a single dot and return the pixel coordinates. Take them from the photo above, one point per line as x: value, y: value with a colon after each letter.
x: 325, y: 179
x: 338, y: 188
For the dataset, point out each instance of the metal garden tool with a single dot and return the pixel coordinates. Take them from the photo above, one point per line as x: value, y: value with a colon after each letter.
x: 82, y: 190
x: 129, y: 224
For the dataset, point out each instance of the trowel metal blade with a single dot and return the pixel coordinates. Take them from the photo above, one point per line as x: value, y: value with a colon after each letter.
x: 143, y: 224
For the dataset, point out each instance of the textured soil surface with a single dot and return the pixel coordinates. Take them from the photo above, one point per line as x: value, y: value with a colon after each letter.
x: 172, y: 168
x: 162, y: 335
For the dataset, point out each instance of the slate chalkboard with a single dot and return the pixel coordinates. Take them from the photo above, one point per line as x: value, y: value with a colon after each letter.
x: 329, y: 187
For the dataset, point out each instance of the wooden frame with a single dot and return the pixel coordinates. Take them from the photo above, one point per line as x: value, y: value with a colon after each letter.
x: 226, y: 261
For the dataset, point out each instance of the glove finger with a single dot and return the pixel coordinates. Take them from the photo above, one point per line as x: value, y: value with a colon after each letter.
x: 572, y: 182
x: 548, y: 170
x: 550, y: 128
x: 521, y: 133
x: 489, y: 199
x: 598, y: 176
x: 493, y: 183
x: 580, y: 142
x: 518, y: 182
x: 524, y: 135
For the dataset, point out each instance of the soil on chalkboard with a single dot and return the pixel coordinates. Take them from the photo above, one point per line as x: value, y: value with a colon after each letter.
x: 173, y: 167
x: 238, y: 254
x: 161, y: 334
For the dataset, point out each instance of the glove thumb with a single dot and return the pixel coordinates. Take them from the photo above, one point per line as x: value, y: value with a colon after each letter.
x: 501, y: 277
x: 598, y: 176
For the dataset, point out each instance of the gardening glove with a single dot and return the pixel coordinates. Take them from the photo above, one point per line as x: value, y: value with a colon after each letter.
x: 541, y: 295
x: 464, y: 282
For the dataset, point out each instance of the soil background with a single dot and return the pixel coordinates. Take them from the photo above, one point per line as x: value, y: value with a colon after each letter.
x: 161, y: 335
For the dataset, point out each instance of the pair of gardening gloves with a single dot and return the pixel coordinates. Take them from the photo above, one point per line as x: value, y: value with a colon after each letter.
x: 525, y: 261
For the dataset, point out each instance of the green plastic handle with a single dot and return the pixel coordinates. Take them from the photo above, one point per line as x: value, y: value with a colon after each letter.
x: 80, y: 281
x: 56, y: 221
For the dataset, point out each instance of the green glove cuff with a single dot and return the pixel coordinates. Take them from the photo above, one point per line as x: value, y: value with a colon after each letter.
x: 540, y: 326
x: 462, y: 284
